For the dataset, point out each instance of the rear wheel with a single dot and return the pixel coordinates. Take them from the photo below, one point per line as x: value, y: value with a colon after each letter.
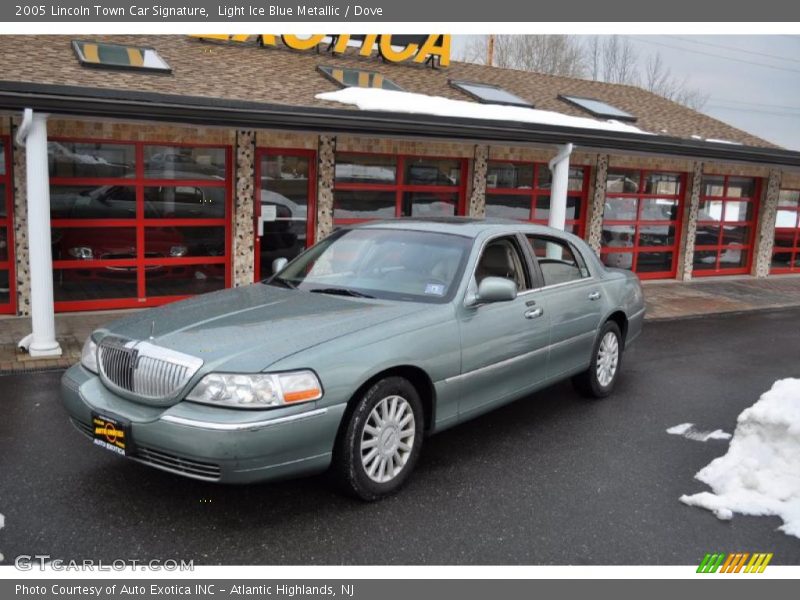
x: 599, y: 379
x: 382, y: 440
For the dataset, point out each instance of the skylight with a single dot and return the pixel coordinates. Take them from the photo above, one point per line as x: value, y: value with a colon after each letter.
x: 116, y: 56
x: 598, y: 108
x: 489, y: 94
x: 358, y: 78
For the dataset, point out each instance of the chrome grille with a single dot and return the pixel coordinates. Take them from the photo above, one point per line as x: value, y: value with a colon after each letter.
x: 144, y: 370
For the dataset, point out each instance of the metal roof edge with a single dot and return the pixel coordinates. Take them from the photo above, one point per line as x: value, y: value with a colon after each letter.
x: 124, y: 104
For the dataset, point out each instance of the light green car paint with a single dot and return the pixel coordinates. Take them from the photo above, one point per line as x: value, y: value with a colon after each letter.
x: 468, y: 359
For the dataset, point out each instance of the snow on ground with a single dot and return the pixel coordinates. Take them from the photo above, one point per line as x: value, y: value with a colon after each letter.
x: 689, y: 431
x: 760, y: 474
x: 407, y: 102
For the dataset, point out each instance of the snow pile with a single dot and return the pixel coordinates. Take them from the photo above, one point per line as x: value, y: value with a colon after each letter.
x: 760, y: 474
x: 407, y: 102
x: 689, y: 431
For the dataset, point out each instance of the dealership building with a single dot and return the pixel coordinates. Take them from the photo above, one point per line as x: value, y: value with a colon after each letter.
x: 138, y: 170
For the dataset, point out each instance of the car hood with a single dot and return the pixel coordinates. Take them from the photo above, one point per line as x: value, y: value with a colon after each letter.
x: 247, y: 329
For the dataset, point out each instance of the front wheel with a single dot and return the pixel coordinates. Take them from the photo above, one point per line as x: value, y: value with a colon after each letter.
x: 382, y: 440
x: 599, y: 379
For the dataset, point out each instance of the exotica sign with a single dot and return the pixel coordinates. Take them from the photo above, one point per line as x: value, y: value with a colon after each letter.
x: 433, y: 49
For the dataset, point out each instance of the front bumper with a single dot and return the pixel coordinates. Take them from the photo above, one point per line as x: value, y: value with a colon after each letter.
x: 209, y: 443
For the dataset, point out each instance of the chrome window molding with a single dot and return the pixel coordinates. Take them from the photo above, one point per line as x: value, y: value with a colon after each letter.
x: 251, y: 426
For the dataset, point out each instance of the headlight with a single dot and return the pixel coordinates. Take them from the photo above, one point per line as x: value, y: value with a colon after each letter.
x: 82, y: 252
x: 178, y: 251
x: 259, y: 390
x: 89, y: 355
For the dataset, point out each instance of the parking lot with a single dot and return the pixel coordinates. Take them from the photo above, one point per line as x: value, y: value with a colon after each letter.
x: 550, y: 479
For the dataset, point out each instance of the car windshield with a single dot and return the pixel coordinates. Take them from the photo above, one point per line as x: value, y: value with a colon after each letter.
x: 390, y: 264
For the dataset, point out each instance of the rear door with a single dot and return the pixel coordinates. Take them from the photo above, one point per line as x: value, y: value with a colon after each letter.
x: 503, y: 344
x: 573, y: 298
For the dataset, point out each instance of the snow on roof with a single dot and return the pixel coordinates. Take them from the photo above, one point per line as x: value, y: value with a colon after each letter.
x: 407, y: 102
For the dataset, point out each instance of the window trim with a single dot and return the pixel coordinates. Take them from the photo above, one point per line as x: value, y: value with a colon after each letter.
x: 459, y: 83
x: 579, y: 258
x: 99, y: 65
x: 399, y: 187
x: 139, y: 182
x: 570, y: 99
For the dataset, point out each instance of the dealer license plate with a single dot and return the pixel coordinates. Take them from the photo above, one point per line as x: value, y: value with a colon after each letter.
x: 111, y: 434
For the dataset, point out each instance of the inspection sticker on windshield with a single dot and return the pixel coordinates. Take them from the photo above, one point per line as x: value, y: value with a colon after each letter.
x: 436, y: 289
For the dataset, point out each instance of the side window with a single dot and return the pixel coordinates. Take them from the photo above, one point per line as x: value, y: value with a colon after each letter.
x: 502, y: 258
x: 557, y: 260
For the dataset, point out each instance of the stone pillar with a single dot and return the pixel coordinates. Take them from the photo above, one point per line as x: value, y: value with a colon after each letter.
x: 326, y: 171
x: 244, y: 198
x: 765, y: 234
x: 22, y: 272
x: 42, y: 341
x: 477, y: 199
x: 597, y: 202
x: 689, y: 223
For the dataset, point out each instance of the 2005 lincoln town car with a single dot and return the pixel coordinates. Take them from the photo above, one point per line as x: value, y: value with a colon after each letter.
x: 354, y: 351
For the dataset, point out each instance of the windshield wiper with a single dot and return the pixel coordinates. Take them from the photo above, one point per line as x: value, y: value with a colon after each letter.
x: 341, y: 292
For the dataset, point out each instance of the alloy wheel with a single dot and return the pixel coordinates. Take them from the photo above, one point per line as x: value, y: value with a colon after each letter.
x: 387, y: 439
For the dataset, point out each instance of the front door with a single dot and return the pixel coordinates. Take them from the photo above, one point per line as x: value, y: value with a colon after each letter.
x: 285, y: 206
x: 504, y: 345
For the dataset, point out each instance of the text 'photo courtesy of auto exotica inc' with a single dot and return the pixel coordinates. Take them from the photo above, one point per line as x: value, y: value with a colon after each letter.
x: 139, y: 170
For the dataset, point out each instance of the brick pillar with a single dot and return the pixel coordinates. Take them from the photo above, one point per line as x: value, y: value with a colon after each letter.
x: 326, y: 166
x: 597, y: 201
x: 244, y: 198
x: 765, y: 232
x: 477, y: 199
x: 689, y: 223
x: 22, y: 271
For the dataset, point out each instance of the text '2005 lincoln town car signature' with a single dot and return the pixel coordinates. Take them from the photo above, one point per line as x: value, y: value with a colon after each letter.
x: 351, y: 353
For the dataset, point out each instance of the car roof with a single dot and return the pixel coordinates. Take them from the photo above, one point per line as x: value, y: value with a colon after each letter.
x: 464, y: 226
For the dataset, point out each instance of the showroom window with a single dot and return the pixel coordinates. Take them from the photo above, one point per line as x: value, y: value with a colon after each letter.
x: 641, y: 221
x: 7, y: 294
x: 380, y: 186
x: 726, y: 222
x: 137, y: 224
x: 786, y: 250
x: 521, y: 190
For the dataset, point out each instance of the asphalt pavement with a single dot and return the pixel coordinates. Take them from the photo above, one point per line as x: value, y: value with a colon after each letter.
x: 550, y: 479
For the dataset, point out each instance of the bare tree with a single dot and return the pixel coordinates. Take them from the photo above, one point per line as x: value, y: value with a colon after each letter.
x: 658, y: 79
x: 550, y: 54
x: 620, y: 63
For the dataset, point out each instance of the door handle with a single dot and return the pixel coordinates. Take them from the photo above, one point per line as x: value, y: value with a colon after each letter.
x: 534, y: 313
x: 594, y: 296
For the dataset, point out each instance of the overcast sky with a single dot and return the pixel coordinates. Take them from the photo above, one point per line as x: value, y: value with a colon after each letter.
x: 753, y: 81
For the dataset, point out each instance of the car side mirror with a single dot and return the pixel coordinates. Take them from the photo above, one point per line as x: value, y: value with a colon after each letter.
x: 496, y: 289
x: 278, y: 264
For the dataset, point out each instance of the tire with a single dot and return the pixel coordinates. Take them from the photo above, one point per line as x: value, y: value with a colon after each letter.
x: 366, y: 443
x: 599, y: 379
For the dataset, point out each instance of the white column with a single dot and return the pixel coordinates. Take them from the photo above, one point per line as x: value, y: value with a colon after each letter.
x: 42, y: 341
x: 559, y: 167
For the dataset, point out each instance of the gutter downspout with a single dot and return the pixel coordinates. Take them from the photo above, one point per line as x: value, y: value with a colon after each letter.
x: 559, y: 166
x: 32, y: 136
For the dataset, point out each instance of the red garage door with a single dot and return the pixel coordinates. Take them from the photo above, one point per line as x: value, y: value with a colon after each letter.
x: 726, y: 223
x: 137, y: 224
x: 519, y: 190
x: 7, y: 293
